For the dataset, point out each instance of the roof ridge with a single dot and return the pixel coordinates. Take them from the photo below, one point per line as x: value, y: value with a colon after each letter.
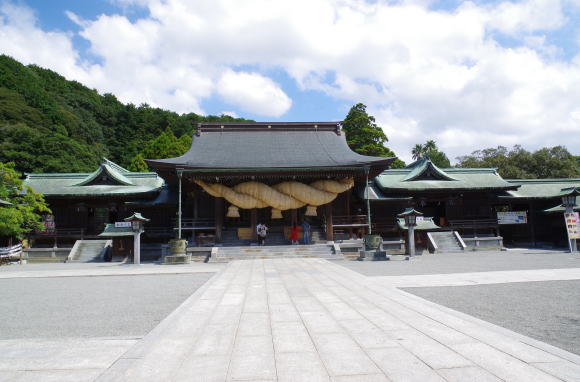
x: 544, y: 180
x: 114, y: 165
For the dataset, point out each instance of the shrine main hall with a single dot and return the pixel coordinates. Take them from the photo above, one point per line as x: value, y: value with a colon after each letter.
x: 236, y: 175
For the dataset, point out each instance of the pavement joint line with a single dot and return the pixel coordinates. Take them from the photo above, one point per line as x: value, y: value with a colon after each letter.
x: 479, y: 278
x: 112, y: 270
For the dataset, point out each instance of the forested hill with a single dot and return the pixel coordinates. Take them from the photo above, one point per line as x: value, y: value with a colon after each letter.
x: 50, y: 124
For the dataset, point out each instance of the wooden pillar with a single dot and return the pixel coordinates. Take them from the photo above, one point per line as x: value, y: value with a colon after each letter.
x: 329, y: 227
x: 347, y: 202
x: 196, y: 206
x: 531, y: 222
x: 219, y: 218
x: 294, y: 216
x: 254, y: 223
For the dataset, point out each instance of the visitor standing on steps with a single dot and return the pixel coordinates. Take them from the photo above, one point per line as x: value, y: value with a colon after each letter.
x: 262, y: 231
x: 294, y: 234
x: 306, y: 232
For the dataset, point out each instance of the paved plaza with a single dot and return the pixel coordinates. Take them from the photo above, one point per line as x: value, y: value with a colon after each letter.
x: 548, y: 310
x: 307, y: 320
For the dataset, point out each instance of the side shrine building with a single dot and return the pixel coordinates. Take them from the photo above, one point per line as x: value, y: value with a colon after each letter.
x: 236, y: 175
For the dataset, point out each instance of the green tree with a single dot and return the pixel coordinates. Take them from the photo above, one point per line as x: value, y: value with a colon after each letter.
x: 24, y: 214
x: 166, y: 145
x: 364, y: 136
x: 50, y: 124
x: 518, y: 163
x: 431, y: 151
x: 418, y: 151
x: 138, y: 164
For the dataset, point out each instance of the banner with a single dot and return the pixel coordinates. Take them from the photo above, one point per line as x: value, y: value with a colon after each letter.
x: 572, y: 220
x: 49, y: 224
x: 512, y: 217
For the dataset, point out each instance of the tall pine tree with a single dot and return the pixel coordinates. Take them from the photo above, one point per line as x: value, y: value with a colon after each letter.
x: 364, y: 136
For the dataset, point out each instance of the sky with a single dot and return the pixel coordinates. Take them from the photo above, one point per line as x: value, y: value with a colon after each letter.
x: 467, y: 74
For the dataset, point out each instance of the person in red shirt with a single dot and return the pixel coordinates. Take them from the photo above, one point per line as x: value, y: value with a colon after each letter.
x: 294, y: 234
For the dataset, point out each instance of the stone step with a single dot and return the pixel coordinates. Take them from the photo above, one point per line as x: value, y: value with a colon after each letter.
x: 323, y: 251
x: 446, y: 242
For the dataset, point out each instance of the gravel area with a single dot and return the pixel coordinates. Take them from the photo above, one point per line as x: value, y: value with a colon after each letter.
x: 466, y: 262
x: 548, y: 311
x: 91, y: 306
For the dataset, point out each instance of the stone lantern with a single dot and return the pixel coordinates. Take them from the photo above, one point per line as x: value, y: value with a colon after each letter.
x: 410, y: 216
x: 137, y: 226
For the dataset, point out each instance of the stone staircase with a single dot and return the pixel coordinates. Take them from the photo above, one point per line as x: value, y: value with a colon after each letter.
x: 275, y: 237
x: 320, y: 251
x: 446, y: 242
x: 85, y: 251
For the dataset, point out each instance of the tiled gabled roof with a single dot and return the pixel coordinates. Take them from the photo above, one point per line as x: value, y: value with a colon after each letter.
x: 267, y: 145
x: 108, y: 179
x: 424, y: 176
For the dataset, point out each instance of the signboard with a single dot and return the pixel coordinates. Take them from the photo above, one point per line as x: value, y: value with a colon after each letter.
x: 572, y: 224
x: 49, y: 224
x: 512, y: 217
x: 122, y: 224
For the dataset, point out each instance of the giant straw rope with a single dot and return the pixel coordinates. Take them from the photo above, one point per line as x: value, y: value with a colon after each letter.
x: 281, y: 196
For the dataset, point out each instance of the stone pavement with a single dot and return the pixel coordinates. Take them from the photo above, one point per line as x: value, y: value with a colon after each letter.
x: 479, y: 278
x: 58, y: 360
x: 312, y: 320
x: 100, y: 269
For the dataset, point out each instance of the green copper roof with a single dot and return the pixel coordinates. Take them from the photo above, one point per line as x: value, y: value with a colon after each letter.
x: 108, y: 179
x: 561, y: 209
x: 540, y: 188
x: 423, y: 176
x: 110, y: 170
x: 112, y: 231
x: 409, y: 212
x: 4, y: 203
x: 424, y: 167
x: 136, y: 216
x: 427, y: 224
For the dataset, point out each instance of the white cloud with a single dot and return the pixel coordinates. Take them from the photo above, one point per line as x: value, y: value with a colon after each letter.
x: 232, y: 114
x: 425, y: 74
x: 253, y: 93
x: 527, y: 15
x: 21, y: 38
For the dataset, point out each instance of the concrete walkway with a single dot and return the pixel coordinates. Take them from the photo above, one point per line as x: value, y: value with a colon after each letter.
x: 311, y: 320
x: 111, y: 269
x: 478, y: 278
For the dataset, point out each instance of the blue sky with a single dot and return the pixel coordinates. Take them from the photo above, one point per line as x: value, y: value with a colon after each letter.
x: 469, y: 75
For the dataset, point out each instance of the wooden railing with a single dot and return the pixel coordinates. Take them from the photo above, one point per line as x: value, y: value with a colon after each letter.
x: 62, y: 232
x: 196, y: 224
x: 383, y: 225
x: 352, y: 221
x: 474, y: 224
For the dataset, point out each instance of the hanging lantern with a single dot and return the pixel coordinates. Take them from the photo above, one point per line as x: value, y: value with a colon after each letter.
x: 233, y: 212
x: 276, y: 214
x: 310, y: 211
